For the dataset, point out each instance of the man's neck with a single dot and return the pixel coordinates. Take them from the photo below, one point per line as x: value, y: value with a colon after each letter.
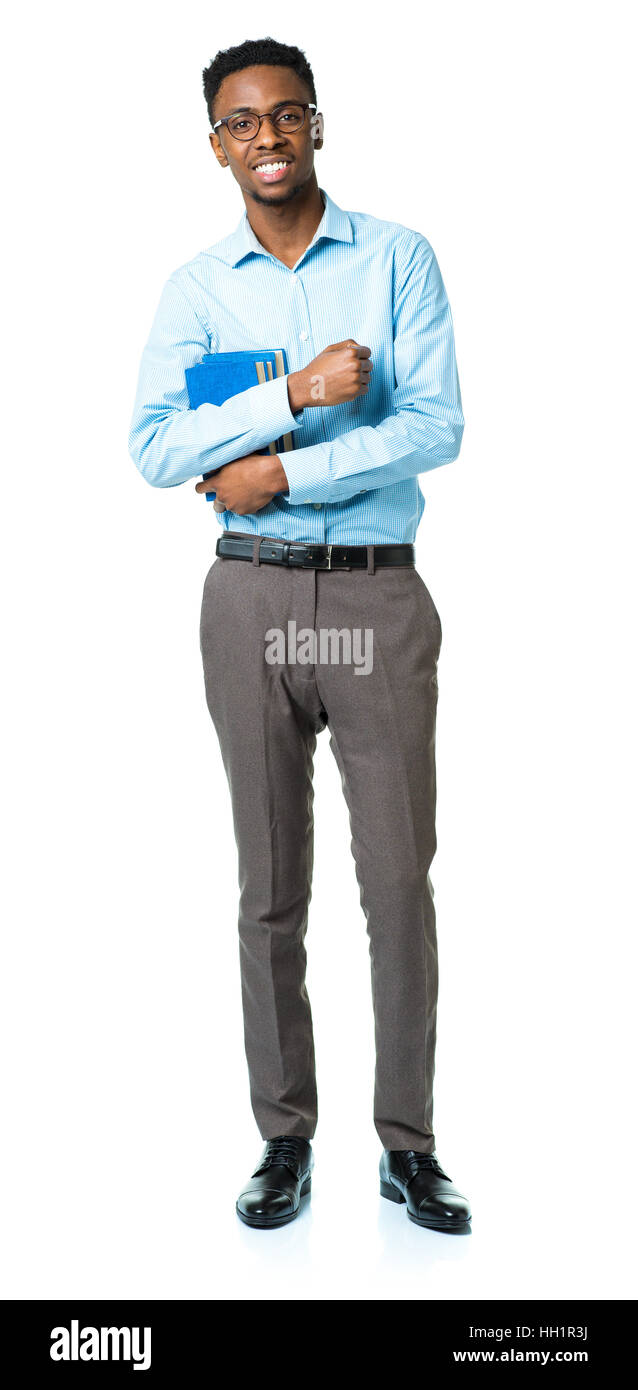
x: 286, y: 231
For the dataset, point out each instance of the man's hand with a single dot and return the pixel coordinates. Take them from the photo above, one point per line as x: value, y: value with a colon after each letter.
x: 247, y: 484
x: 340, y: 373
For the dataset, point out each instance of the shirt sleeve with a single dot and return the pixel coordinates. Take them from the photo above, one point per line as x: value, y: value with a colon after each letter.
x: 168, y: 441
x: 427, y: 425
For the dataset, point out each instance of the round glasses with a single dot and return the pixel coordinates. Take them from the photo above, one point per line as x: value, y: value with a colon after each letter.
x: 244, y: 125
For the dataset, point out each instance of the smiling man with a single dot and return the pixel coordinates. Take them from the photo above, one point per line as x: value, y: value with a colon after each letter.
x: 321, y: 536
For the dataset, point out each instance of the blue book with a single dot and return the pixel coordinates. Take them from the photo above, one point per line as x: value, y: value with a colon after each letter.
x: 221, y: 375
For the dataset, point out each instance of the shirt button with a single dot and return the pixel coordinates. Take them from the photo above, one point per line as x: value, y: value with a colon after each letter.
x: 303, y: 336
x: 317, y: 505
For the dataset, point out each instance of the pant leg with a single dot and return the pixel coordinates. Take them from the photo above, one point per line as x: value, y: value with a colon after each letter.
x: 267, y: 718
x: 382, y: 727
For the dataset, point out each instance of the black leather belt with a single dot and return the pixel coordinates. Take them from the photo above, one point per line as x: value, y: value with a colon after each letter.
x: 305, y: 555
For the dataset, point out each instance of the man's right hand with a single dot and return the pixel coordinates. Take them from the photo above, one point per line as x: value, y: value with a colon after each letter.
x: 340, y: 373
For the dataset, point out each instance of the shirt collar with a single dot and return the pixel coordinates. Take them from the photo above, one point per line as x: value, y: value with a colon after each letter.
x: 335, y: 224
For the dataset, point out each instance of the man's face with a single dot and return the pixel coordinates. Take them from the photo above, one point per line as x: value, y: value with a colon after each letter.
x: 262, y: 88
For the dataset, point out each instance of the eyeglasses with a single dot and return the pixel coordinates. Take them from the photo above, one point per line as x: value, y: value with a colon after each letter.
x: 287, y: 116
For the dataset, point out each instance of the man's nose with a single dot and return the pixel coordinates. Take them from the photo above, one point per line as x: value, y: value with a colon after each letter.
x: 267, y: 130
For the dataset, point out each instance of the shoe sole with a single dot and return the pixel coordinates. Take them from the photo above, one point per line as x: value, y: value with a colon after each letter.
x: 451, y: 1227
x: 262, y: 1223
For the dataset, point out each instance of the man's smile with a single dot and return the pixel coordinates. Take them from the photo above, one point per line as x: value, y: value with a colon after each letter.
x: 272, y: 170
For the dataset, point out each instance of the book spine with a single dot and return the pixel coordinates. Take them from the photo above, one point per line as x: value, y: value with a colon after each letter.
x: 261, y: 374
x: 286, y: 440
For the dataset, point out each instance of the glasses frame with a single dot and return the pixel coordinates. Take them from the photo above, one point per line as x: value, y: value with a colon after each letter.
x: 244, y: 139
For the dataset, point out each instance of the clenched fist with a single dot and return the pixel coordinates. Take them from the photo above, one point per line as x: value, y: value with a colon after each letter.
x: 340, y: 373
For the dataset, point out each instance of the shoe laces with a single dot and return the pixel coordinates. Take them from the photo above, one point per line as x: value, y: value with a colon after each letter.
x: 282, y: 1151
x: 420, y: 1163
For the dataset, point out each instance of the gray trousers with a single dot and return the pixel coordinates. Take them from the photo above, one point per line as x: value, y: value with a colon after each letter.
x: 267, y: 715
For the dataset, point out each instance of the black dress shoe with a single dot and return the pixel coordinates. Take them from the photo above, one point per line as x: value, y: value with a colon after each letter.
x: 272, y: 1197
x: 419, y: 1180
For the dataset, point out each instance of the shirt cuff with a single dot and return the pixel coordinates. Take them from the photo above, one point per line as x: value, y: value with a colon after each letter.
x: 271, y: 408
x: 305, y: 470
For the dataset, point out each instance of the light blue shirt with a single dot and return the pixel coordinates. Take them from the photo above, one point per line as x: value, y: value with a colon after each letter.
x: 354, y: 472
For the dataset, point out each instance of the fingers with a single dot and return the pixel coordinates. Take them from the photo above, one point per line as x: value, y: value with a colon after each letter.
x: 360, y: 350
x: 349, y: 342
x: 219, y: 506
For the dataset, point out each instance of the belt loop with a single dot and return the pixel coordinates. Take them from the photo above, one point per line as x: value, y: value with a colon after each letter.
x: 370, y: 550
x: 256, y: 549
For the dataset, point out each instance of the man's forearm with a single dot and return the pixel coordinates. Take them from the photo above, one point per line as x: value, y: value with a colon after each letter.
x: 297, y: 391
x: 277, y: 475
x: 400, y: 447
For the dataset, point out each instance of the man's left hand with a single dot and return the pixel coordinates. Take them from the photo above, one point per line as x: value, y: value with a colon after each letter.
x: 247, y: 484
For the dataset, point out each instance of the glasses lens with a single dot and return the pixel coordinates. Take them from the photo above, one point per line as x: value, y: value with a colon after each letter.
x: 243, y: 127
x: 289, y: 117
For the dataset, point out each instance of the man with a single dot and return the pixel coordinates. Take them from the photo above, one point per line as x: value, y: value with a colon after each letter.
x: 320, y: 540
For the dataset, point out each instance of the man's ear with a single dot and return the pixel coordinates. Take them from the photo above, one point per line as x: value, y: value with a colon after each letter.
x: 217, y: 148
x: 316, y: 129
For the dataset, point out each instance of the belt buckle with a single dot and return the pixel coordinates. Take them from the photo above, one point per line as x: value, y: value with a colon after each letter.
x: 321, y: 566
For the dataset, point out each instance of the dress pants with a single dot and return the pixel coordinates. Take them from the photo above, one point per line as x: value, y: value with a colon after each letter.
x: 382, y: 733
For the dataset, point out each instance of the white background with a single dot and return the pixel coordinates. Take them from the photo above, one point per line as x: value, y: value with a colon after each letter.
x: 127, y: 1124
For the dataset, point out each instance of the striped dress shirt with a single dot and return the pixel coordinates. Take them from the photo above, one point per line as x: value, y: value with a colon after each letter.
x: 353, y: 474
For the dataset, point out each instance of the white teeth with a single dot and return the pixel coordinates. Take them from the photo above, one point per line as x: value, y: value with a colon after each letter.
x: 270, y: 168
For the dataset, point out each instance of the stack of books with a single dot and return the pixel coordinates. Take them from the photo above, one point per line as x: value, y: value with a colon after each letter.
x: 221, y: 375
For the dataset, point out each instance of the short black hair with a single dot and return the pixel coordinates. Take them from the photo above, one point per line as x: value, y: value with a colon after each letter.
x: 266, y: 51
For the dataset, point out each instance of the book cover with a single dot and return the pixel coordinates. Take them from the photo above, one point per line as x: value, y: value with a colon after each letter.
x: 221, y: 375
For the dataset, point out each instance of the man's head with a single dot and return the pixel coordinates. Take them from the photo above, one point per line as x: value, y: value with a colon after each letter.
x: 264, y: 76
